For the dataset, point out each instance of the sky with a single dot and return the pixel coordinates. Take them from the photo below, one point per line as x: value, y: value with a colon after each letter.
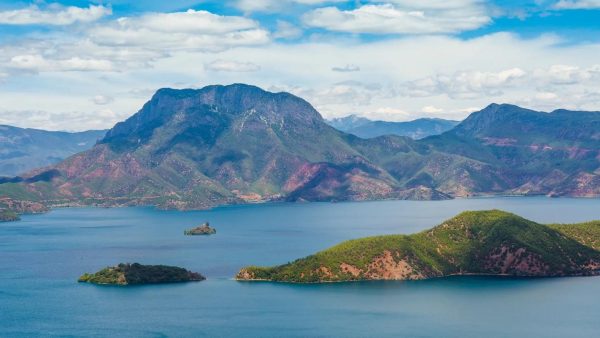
x: 77, y: 65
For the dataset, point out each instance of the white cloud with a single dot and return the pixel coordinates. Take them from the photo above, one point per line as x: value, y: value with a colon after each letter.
x: 404, y: 17
x: 130, y: 42
x: 190, y: 30
x: 286, y: 30
x: 38, y: 63
x: 69, y: 121
x: 471, y: 74
x: 232, y: 66
x: 463, y: 84
x: 431, y: 110
x: 346, y: 69
x: 55, y: 14
x: 102, y: 99
x: 276, y: 5
x: 568, y: 74
x: 389, y: 114
x: 577, y: 4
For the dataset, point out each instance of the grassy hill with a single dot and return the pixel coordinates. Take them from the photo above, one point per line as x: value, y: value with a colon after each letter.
x: 480, y: 242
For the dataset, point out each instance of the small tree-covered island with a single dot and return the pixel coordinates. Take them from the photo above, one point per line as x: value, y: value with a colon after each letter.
x: 201, y: 230
x: 473, y: 243
x: 136, y: 274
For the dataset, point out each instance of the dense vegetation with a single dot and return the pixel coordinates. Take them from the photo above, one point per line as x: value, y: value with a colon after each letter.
x: 130, y: 274
x: 195, y: 149
x: 482, y: 242
x: 201, y: 230
x: 8, y: 216
x: 587, y: 233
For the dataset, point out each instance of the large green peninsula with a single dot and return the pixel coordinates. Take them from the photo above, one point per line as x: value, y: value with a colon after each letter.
x: 476, y: 242
x: 131, y: 274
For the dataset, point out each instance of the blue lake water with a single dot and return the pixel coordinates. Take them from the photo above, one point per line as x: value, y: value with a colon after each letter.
x: 42, y: 256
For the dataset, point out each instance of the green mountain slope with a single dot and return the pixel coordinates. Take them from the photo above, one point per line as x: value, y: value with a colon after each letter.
x: 483, y: 242
x: 194, y: 149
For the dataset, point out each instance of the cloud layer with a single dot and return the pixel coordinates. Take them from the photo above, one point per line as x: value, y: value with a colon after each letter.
x: 55, y: 15
x: 388, y: 59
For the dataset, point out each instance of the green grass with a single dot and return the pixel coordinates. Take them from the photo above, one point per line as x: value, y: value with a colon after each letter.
x: 463, y: 244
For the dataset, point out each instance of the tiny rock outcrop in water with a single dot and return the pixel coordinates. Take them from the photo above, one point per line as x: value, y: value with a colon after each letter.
x: 132, y: 274
x: 473, y: 243
x: 203, y: 229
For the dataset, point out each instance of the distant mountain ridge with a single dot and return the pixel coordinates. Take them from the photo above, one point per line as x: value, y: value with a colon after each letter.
x: 23, y: 149
x: 555, y: 153
x: 416, y: 129
x: 193, y: 149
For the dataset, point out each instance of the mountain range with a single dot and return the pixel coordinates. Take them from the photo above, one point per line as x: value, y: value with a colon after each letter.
x: 22, y: 150
x: 199, y: 148
x: 416, y: 129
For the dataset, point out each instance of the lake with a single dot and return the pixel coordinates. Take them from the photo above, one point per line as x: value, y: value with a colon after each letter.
x: 42, y: 256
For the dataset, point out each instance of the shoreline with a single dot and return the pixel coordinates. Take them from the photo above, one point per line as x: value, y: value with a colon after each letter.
x: 275, y: 202
x: 495, y: 276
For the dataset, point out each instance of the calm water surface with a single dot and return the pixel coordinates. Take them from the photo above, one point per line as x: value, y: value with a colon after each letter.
x: 42, y: 256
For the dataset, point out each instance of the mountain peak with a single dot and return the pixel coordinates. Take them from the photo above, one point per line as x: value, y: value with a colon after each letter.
x: 495, y: 114
x: 221, y: 101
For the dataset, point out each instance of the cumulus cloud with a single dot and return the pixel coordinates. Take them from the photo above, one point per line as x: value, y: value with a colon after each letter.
x: 402, y: 17
x: 286, y: 30
x: 54, y: 14
x: 190, y: 30
x: 577, y: 4
x: 347, y: 68
x: 130, y: 42
x: 38, y: 63
x: 463, y: 84
x: 568, y: 74
x: 231, y: 66
x: 102, y: 99
x: 69, y: 121
x: 276, y: 5
x: 431, y: 110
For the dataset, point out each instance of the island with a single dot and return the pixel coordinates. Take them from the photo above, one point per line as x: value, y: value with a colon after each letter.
x: 201, y: 230
x: 490, y: 242
x: 135, y: 274
x: 8, y: 216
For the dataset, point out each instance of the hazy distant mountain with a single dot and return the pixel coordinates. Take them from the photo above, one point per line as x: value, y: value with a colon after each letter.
x: 190, y: 149
x: 348, y: 122
x: 415, y: 129
x: 22, y: 150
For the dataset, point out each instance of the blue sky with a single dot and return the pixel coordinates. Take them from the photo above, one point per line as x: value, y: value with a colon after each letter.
x: 74, y: 65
